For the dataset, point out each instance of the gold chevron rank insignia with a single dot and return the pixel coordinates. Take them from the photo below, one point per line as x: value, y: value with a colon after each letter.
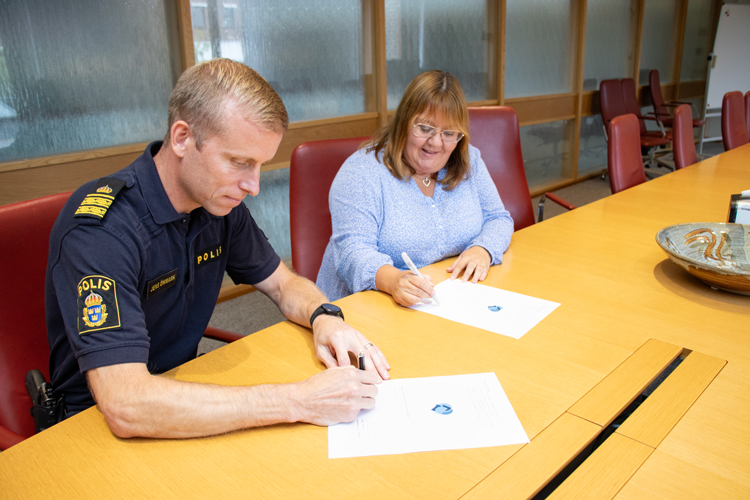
x: 96, y: 203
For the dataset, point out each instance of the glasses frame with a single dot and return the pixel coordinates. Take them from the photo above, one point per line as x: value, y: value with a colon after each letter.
x: 461, y: 135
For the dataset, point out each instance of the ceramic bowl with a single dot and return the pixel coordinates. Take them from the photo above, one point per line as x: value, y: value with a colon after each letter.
x: 714, y: 252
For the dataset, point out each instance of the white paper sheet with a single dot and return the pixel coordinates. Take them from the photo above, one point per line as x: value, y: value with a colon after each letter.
x: 488, y: 308
x: 428, y: 414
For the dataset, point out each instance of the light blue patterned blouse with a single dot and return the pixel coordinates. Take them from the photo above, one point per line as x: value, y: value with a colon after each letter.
x: 376, y: 217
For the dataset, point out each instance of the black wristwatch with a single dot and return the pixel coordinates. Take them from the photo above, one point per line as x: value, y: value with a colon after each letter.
x: 328, y: 309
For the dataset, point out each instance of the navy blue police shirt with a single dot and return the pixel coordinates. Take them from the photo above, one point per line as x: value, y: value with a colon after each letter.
x: 130, y: 280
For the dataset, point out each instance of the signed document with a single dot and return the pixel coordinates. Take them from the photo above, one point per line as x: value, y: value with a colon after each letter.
x: 488, y: 308
x: 428, y: 414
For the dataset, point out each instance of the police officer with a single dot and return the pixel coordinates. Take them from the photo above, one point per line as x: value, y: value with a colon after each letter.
x: 137, y: 261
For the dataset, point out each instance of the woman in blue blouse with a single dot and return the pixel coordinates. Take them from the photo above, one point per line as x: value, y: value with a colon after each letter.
x: 417, y: 187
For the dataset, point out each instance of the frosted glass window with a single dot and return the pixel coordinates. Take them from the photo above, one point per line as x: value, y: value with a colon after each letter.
x: 657, y: 44
x: 312, y: 53
x: 610, y: 41
x: 539, y: 47
x: 546, y: 151
x: 592, y: 148
x: 452, y: 36
x: 83, y: 75
x: 697, y: 44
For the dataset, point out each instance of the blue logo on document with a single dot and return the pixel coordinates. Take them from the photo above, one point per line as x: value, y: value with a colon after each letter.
x: 495, y: 308
x: 443, y: 409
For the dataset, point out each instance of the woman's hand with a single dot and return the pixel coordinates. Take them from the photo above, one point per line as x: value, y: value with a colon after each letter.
x: 474, y: 262
x: 405, y: 287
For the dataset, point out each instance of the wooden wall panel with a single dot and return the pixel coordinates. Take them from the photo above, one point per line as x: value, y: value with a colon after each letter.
x: 541, y: 109
x: 29, y: 183
x: 335, y: 128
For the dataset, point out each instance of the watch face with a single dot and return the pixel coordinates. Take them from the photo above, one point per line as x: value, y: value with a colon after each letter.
x: 331, y: 308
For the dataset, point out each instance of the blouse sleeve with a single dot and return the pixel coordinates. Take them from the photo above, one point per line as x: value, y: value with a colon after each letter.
x: 356, y: 203
x: 497, y: 224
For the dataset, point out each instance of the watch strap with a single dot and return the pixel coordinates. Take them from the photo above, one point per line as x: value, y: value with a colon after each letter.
x: 323, y: 310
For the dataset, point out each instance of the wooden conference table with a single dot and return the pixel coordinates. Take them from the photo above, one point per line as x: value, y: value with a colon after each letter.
x: 626, y: 312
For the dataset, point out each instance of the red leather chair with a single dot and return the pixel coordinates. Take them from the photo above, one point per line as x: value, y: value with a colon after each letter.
x: 313, y: 167
x: 630, y: 97
x: 623, y: 154
x: 24, y: 241
x: 617, y: 98
x: 24, y: 245
x: 684, y: 143
x: 494, y: 131
x: 733, y: 120
x: 661, y: 108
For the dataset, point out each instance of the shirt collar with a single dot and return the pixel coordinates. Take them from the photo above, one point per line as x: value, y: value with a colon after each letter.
x: 152, y: 188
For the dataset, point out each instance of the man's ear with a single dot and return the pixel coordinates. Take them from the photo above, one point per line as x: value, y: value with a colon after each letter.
x: 181, y: 136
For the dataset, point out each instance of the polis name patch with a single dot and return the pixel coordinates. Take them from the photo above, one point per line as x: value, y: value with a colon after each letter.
x: 208, y: 255
x: 96, y: 203
x: 97, y: 304
x: 161, y: 283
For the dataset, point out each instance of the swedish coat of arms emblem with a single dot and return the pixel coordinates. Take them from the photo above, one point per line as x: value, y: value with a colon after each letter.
x: 94, y: 312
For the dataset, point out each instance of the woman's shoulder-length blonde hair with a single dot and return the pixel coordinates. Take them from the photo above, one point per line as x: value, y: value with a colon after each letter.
x: 433, y: 92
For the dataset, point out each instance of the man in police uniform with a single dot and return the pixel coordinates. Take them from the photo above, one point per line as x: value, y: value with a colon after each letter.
x: 137, y: 260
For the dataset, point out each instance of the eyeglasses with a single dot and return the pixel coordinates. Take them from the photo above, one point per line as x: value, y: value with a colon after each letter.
x: 426, y: 131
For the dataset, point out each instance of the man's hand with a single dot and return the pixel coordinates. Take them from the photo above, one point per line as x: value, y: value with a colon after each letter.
x: 334, y: 340
x: 336, y: 395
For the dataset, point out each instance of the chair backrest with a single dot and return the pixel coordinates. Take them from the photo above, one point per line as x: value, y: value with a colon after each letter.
x: 313, y: 167
x: 624, y: 154
x: 747, y: 113
x: 494, y: 131
x: 611, y: 101
x: 683, y: 142
x: 654, y: 89
x: 24, y: 244
x: 733, y: 126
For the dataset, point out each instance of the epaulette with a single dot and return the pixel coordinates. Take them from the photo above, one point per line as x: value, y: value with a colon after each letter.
x: 96, y: 203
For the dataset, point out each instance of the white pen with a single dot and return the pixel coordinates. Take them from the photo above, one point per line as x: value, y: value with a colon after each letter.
x: 414, y: 269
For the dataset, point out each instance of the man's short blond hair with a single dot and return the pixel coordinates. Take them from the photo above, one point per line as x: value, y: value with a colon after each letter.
x: 203, y: 90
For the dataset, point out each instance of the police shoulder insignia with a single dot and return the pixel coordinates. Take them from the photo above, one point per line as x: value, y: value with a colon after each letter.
x: 97, y: 304
x: 96, y: 203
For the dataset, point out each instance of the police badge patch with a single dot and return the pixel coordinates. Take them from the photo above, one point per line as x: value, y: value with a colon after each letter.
x: 97, y: 303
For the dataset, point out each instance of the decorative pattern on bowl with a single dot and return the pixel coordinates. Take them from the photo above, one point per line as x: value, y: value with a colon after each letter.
x: 716, y: 253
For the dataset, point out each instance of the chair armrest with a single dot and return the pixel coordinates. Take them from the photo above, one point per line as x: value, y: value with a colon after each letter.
x: 8, y: 438
x: 222, y: 335
x: 661, y: 125
x: 657, y: 115
x: 230, y: 292
x: 552, y: 197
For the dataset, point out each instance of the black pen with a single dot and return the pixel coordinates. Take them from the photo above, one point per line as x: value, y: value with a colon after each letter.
x: 361, y: 359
